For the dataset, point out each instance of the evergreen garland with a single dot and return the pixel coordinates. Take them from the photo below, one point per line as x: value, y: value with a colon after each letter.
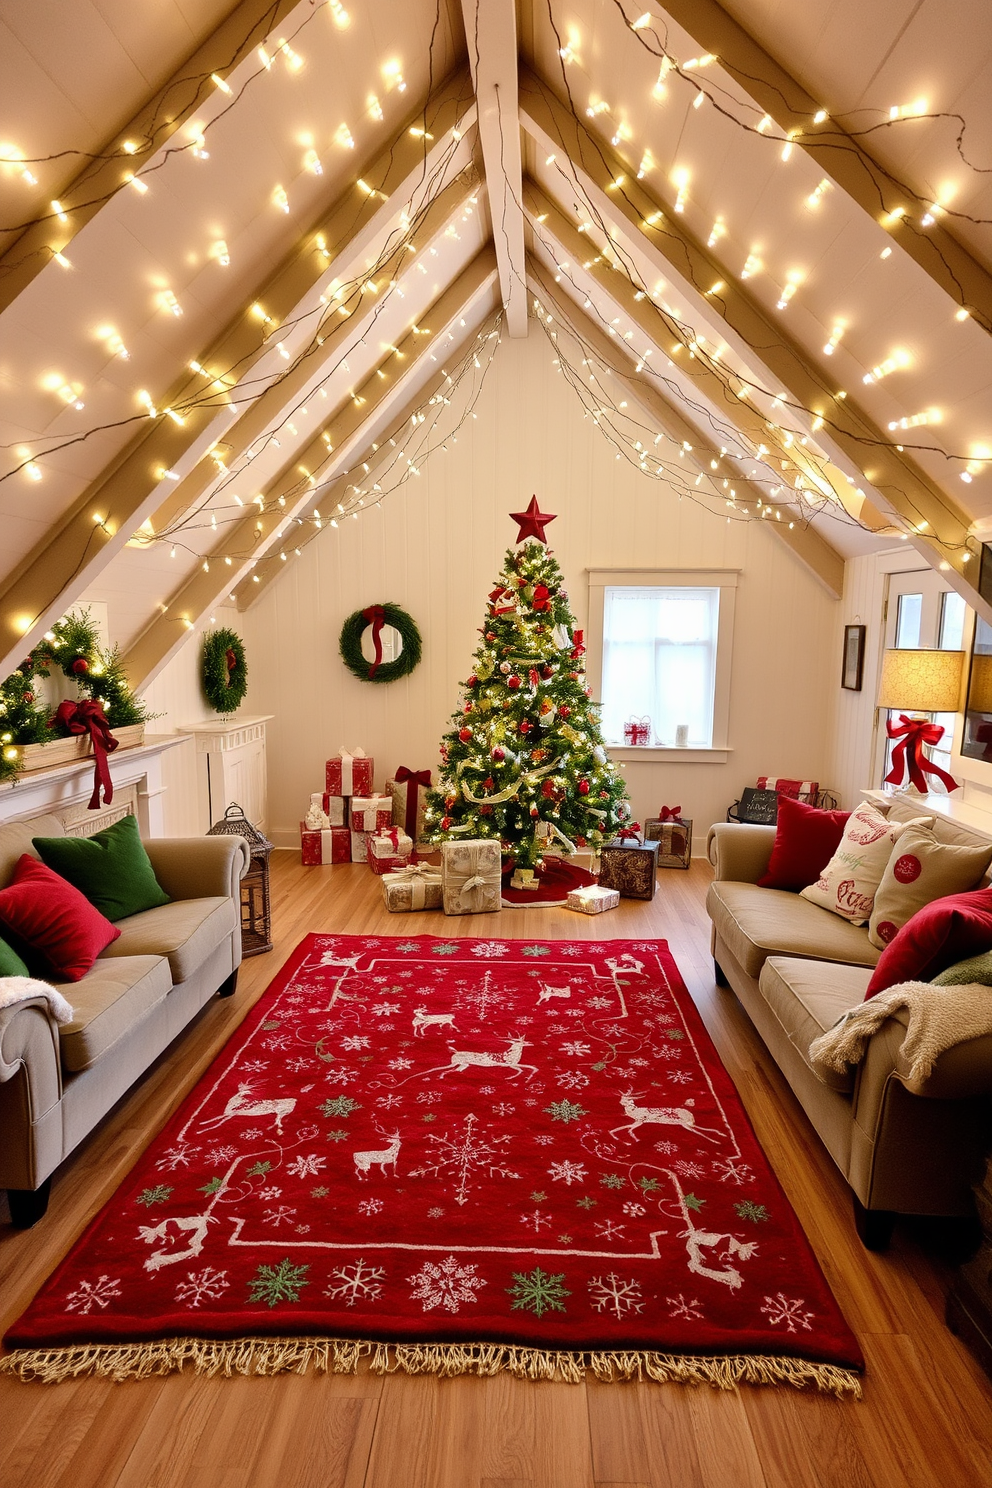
x: 224, y: 670
x: 350, y: 644
x: 72, y: 646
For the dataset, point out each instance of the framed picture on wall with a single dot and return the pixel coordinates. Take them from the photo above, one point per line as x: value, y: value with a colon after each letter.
x: 854, y: 657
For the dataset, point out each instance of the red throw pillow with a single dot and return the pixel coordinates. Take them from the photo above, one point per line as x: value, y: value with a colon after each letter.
x: 939, y: 935
x: 806, y: 838
x: 51, y: 917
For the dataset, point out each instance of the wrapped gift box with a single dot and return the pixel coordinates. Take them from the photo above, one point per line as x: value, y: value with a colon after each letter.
x: 359, y: 846
x: 388, y: 850
x: 349, y: 774
x: 332, y: 845
x: 629, y: 867
x: 471, y: 876
x: 408, y: 792
x: 593, y: 899
x: 415, y: 887
x: 637, y: 731
x: 335, y: 808
x: 674, y: 839
x: 371, y: 814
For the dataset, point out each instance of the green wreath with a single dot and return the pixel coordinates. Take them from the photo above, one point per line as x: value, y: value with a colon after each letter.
x: 377, y: 616
x: 223, y: 670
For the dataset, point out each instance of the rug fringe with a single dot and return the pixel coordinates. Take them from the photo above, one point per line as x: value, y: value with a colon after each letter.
x: 262, y: 1356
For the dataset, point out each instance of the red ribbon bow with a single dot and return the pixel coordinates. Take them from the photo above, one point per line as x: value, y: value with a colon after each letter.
x: 542, y: 597
x: 670, y: 813
x: 908, y: 755
x: 376, y: 616
x: 87, y: 717
x: 230, y: 661
x: 634, y: 830
x: 411, y: 779
x: 577, y: 647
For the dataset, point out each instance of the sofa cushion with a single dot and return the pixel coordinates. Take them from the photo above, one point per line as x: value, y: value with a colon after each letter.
x: 186, y: 931
x: 756, y: 923
x: 806, y: 838
x: 11, y: 963
x: 847, y: 885
x: 60, y: 927
x: 114, y: 995
x: 111, y: 868
x: 938, y: 935
x: 921, y: 869
x: 15, y: 841
x: 807, y: 998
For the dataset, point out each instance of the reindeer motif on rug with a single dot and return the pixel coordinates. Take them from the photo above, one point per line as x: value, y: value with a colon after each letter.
x: 463, y: 1059
x: 682, y: 1116
x: 385, y: 1157
x: 243, y: 1105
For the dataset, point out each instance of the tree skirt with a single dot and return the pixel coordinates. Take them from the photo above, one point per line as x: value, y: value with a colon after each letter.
x: 453, y: 1156
x: 557, y: 878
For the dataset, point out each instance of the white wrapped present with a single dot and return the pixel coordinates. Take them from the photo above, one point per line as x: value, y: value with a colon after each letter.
x: 335, y: 808
x: 470, y: 876
x: 415, y: 887
x: 592, y: 899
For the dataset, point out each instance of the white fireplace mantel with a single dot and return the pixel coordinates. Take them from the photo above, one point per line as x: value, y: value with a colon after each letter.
x: 65, y: 789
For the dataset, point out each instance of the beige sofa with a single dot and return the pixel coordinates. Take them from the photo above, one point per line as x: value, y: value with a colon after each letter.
x: 904, y: 1147
x: 57, y: 1083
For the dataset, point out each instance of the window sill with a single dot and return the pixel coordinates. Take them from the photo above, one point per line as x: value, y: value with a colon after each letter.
x: 668, y: 754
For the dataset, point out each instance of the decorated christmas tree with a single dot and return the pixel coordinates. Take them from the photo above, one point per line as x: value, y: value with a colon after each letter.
x: 524, y: 760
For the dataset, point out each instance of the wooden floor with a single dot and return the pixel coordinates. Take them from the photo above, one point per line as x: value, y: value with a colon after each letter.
x: 926, y: 1417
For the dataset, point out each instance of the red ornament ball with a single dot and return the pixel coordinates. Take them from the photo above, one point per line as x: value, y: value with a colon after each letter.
x: 547, y: 789
x: 485, y: 811
x: 547, y: 671
x: 487, y: 784
x: 580, y: 842
x: 465, y: 734
x: 574, y: 676
x: 490, y: 635
x: 583, y: 787
x: 80, y: 665
x: 525, y: 725
x: 28, y: 697
x: 446, y: 822
x: 499, y: 753
x: 513, y: 681
x: 565, y: 711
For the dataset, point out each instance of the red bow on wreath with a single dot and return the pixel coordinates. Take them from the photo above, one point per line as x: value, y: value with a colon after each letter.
x: 634, y: 830
x: 376, y: 616
x: 908, y: 755
x: 87, y: 717
x: 231, y: 662
x: 670, y: 813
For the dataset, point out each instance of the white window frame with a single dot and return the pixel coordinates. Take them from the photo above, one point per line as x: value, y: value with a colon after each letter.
x: 724, y: 579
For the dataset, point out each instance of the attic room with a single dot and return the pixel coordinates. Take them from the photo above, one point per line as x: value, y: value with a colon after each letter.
x: 315, y: 315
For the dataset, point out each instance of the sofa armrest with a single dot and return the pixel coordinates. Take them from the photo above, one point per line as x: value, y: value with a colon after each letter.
x: 961, y: 1072
x: 199, y: 867
x: 739, y: 851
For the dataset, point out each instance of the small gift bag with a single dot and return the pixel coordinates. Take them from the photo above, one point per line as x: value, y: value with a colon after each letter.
x: 414, y: 887
x: 408, y: 792
x: 349, y: 774
x: 673, y: 834
x: 628, y: 865
x: 471, y: 876
x: 387, y: 850
x: 593, y: 899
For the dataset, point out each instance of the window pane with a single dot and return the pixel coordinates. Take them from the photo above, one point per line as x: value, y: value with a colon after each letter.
x: 908, y: 620
x: 659, y: 661
x: 952, y: 611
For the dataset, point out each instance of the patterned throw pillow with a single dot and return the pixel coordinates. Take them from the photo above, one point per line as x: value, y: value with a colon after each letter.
x: 921, y: 869
x: 847, y: 884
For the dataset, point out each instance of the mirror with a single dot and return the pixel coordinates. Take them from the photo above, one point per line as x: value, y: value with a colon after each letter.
x: 390, y: 640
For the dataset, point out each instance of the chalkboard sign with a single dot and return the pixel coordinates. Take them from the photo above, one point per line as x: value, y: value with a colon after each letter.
x: 758, y: 806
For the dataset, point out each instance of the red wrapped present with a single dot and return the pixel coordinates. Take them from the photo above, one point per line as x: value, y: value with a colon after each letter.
x: 371, y: 813
x: 349, y: 774
x: 388, y: 851
x: 637, y: 731
x: 331, y: 845
x: 786, y: 787
x: 408, y: 789
x: 335, y: 808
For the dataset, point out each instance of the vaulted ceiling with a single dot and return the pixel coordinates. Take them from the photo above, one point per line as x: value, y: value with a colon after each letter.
x: 256, y: 258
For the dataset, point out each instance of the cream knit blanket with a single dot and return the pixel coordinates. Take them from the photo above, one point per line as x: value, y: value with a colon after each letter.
x: 939, y: 1018
x: 14, y: 989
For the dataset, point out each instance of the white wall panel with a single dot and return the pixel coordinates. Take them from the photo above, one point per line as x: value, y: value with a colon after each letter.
x: 435, y: 548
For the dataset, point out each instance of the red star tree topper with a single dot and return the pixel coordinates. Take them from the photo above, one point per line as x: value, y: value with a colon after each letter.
x: 524, y: 760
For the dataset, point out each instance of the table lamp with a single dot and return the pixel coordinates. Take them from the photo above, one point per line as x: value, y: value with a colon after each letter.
x: 916, y: 681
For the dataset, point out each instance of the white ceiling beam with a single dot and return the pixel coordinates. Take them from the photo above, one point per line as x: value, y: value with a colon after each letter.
x: 491, y: 29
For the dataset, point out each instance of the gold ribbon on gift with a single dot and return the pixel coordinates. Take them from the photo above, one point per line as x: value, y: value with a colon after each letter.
x: 418, y: 876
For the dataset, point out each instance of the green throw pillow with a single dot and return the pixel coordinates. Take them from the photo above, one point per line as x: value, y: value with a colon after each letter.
x: 975, y: 969
x: 111, y: 868
x: 10, y: 962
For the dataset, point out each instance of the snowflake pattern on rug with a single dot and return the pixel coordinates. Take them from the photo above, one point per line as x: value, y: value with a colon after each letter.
x: 413, y: 1139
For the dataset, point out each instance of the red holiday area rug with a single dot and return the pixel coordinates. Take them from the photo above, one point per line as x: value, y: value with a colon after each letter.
x: 451, y: 1156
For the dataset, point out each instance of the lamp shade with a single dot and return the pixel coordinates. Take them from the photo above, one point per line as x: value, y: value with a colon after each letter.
x: 980, y: 687
x: 918, y: 681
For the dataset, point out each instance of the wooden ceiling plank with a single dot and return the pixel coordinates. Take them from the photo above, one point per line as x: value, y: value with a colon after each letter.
x: 76, y: 549
x: 269, y: 406
x: 844, y: 158
x: 83, y: 194
x: 167, y: 631
x: 492, y: 48
x: 816, y: 554
x: 900, y: 484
